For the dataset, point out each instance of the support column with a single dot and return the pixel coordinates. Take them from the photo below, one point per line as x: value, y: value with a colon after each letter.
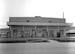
x: 58, y: 29
x: 65, y: 32
x: 11, y: 32
x: 54, y: 31
x: 47, y: 32
x: 23, y: 31
x: 35, y: 31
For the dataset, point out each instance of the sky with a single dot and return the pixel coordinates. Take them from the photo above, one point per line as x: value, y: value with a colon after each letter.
x: 31, y: 8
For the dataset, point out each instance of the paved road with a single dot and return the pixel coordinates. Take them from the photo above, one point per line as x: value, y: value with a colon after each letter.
x: 51, y: 47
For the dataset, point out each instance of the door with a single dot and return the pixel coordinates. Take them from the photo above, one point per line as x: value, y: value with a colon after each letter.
x: 33, y: 33
x: 45, y: 34
x: 26, y: 33
x: 19, y: 33
x: 61, y: 32
x: 39, y: 33
x: 14, y: 33
x: 51, y: 33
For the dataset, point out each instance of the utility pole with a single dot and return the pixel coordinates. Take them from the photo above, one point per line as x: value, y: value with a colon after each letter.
x: 63, y: 15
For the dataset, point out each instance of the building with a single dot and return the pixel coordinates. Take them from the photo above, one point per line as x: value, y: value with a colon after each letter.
x: 71, y: 32
x: 4, y: 32
x: 38, y: 26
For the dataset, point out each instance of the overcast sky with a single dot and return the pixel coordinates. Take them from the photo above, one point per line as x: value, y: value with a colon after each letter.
x: 44, y: 8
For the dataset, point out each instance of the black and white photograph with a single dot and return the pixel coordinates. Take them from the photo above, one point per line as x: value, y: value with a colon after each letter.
x: 37, y: 27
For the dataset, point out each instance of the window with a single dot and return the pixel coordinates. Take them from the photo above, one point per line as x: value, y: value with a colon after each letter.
x: 51, y: 33
x: 39, y: 33
x: 33, y: 33
x: 14, y: 32
x: 20, y: 33
x: 27, y: 33
x: 50, y: 21
x: 27, y: 21
x: 44, y: 33
x: 61, y: 32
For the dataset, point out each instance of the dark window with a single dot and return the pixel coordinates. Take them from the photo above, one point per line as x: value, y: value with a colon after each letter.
x: 50, y: 21
x: 27, y: 21
x: 14, y: 32
x: 33, y: 33
x: 40, y: 31
x: 27, y: 33
x: 20, y: 33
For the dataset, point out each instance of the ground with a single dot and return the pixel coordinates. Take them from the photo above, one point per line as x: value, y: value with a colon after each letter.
x: 51, y: 47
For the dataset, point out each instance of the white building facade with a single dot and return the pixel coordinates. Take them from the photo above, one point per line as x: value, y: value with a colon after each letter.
x: 28, y: 27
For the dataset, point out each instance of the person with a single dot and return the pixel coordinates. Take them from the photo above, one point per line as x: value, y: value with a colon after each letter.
x: 58, y: 34
x: 33, y: 33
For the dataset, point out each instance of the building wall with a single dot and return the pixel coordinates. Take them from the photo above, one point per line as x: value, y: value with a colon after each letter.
x: 4, y: 32
x: 38, y: 20
x: 29, y: 31
x: 36, y: 30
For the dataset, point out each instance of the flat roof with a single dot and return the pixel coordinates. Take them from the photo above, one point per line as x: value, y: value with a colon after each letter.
x: 39, y: 17
x: 43, y: 24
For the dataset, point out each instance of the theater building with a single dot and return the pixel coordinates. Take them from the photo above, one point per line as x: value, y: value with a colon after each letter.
x: 28, y: 27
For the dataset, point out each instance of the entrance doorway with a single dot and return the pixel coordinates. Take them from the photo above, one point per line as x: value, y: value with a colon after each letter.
x: 51, y: 33
x: 26, y: 33
x: 42, y: 33
x: 33, y: 33
x: 45, y: 33
x: 39, y: 33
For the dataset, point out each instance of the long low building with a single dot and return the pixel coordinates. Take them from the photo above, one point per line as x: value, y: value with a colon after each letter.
x: 38, y: 27
x: 4, y: 32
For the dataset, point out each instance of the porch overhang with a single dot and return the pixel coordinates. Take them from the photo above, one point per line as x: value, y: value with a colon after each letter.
x: 40, y: 24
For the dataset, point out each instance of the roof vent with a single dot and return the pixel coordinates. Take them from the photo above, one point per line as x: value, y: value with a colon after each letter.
x: 37, y: 16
